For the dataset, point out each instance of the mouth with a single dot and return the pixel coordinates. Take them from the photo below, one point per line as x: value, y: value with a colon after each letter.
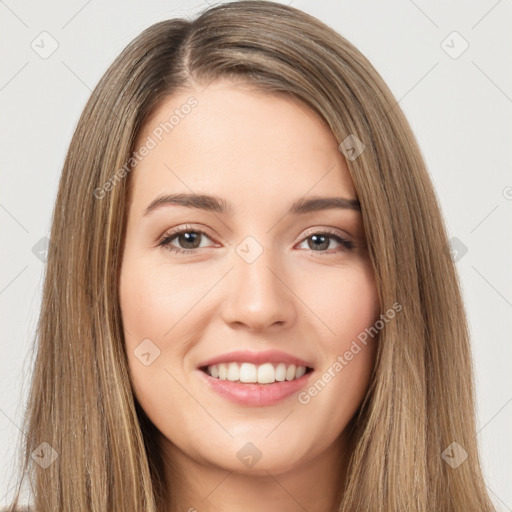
x: 255, y: 387
x: 249, y: 373
x: 255, y: 378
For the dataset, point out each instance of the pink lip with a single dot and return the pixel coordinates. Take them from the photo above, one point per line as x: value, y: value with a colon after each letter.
x: 267, y: 356
x: 255, y: 395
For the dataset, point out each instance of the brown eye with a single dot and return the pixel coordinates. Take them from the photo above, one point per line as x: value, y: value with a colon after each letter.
x: 321, y: 241
x: 189, y: 240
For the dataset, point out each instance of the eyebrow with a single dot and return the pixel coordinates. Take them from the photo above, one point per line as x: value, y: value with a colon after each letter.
x: 219, y: 205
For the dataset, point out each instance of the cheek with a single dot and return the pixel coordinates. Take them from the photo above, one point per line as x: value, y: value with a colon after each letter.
x: 349, y: 311
x: 155, y: 300
x: 149, y: 310
x: 358, y: 310
x: 344, y: 301
x: 161, y: 315
x: 358, y: 304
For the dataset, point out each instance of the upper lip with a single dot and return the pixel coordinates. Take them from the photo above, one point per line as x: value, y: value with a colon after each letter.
x: 245, y: 356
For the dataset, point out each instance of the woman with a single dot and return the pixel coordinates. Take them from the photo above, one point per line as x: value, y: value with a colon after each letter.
x: 186, y: 360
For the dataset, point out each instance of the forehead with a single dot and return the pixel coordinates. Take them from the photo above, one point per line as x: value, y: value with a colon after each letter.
x: 238, y: 142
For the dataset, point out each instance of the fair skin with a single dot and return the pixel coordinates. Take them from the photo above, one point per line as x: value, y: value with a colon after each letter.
x: 260, y: 153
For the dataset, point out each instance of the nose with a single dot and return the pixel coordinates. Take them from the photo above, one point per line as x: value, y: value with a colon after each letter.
x: 258, y: 296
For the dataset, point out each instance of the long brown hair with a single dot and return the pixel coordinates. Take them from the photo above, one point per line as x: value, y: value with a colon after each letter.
x: 421, y: 397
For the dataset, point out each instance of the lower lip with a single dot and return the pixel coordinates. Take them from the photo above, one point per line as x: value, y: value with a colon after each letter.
x: 256, y: 395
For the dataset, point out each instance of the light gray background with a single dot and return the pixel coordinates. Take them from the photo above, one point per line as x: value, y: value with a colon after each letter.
x: 459, y: 108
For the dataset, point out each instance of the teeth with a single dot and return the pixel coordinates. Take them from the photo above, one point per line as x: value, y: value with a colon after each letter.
x: 266, y: 373
x: 280, y: 372
x: 223, y: 371
x: 233, y: 372
x: 290, y: 372
x: 301, y: 370
x: 248, y: 372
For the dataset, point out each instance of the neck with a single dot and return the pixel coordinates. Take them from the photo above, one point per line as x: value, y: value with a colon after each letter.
x: 198, y: 486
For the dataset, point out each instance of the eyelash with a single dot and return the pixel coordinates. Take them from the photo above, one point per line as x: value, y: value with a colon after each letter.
x: 165, y: 242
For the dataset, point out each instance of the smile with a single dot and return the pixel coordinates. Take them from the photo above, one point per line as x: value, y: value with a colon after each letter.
x: 266, y: 373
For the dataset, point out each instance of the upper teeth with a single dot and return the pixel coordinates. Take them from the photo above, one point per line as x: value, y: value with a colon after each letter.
x: 262, y: 374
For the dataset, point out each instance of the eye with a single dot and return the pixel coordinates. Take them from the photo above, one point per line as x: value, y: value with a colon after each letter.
x: 189, y: 238
x: 319, y: 240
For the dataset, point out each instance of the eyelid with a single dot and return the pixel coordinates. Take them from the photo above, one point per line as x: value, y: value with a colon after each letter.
x: 347, y: 241
x: 186, y: 227
x: 304, y: 234
x: 331, y: 231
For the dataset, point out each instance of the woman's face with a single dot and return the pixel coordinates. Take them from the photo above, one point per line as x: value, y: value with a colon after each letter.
x: 253, y: 276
